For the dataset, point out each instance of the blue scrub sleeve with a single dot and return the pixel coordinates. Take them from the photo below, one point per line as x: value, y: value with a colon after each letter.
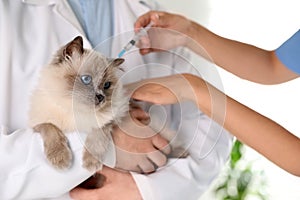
x: 289, y: 53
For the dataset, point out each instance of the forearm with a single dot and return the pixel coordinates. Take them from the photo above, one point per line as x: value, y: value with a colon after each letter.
x: 244, y: 60
x: 255, y: 130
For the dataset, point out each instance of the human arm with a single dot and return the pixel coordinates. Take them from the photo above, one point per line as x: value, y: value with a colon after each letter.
x: 25, y: 172
x: 264, y: 135
x: 244, y: 60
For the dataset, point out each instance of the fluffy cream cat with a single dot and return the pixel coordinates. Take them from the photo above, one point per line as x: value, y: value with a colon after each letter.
x: 77, y: 92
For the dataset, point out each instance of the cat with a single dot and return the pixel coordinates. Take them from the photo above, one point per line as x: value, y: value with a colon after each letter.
x: 77, y: 92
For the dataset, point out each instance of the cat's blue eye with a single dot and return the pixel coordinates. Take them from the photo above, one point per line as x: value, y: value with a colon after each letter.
x: 106, y: 85
x: 86, y: 79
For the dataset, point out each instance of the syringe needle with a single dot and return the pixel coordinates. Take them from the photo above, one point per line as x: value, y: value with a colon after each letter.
x: 135, y: 38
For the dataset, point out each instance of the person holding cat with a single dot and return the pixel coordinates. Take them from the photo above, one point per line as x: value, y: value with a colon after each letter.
x: 31, y: 31
x: 246, y: 61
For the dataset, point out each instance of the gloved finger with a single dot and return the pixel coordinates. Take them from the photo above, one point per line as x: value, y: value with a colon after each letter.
x: 136, y: 129
x: 129, y: 167
x: 128, y: 161
x: 161, y: 144
x: 136, y: 169
x: 158, y: 158
x: 147, y: 166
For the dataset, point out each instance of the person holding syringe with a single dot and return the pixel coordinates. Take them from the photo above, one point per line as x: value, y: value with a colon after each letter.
x: 246, y: 61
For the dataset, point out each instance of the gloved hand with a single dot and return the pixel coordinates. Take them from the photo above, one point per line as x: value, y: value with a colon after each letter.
x: 138, y: 147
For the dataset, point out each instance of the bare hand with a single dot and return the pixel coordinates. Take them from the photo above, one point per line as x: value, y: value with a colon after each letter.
x: 118, y: 185
x: 165, y: 90
x: 169, y: 31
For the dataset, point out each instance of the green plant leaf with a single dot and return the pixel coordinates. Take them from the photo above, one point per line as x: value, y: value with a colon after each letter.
x: 235, y: 153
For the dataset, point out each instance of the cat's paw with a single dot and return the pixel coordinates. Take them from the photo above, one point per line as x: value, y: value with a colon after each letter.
x: 56, y: 146
x: 90, y: 162
x: 59, y: 155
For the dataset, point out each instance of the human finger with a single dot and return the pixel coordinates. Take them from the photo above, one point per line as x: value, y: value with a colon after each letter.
x: 157, y: 158
x: 155, y: 93
x: 147, y: 166
x: 147, y: 18
x: 144, y: 45
x: 143, y: 91
x: 161, y: 144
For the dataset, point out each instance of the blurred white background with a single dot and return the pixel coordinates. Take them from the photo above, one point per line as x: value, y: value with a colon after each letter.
x: 266, y: 24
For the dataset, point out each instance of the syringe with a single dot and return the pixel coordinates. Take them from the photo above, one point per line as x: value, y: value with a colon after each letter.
x: 135, y: 39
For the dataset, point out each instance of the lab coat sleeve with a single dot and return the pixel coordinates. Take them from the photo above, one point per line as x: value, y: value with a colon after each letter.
x: 188, y: 178
x: 25, y: 172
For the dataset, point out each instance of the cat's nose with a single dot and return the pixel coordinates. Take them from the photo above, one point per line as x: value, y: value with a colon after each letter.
x: 100, y: 97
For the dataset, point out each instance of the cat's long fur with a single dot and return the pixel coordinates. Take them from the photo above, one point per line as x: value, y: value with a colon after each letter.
x: 63, y: 102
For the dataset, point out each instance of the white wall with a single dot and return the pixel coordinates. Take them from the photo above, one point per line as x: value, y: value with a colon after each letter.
x: 264, y: 23
x: 199, y: 11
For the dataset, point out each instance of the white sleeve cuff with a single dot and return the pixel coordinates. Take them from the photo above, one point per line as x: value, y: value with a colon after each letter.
x: 142, y: 182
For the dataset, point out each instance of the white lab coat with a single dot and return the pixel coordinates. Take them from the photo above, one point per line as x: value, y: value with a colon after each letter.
x: 30, y: 32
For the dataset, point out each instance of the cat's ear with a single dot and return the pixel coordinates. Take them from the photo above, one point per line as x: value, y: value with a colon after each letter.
x: 116, y: 63
x: 73, y: 49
